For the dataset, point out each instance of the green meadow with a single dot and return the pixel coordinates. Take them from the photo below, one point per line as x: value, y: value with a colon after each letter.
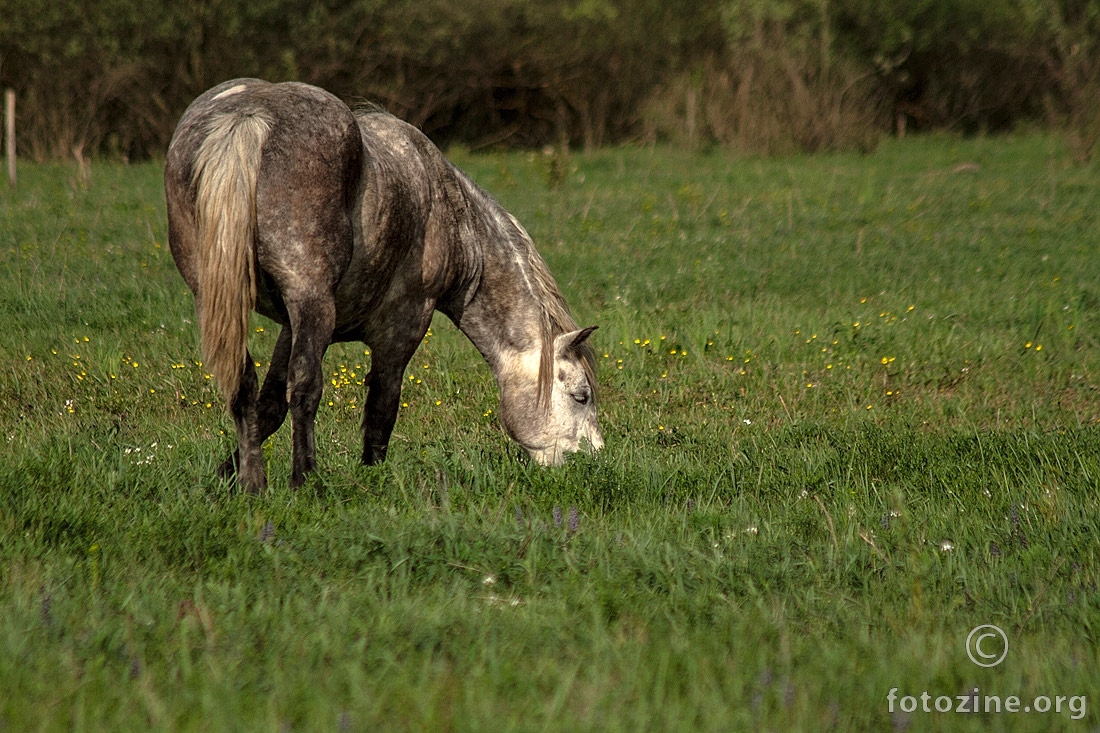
x: 851, y: 409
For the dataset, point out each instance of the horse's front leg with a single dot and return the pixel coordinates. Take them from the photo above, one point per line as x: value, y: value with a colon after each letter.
x: 389, y: 358
x: 380, y: 412
x: 271, y: 408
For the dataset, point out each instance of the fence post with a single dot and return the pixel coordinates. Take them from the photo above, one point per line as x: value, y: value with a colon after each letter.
x: 9, y: 136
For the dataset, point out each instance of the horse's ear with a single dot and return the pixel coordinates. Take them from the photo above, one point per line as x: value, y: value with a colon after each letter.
x: 569, y: 342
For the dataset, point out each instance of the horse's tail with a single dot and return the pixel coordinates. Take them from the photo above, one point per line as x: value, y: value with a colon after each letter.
x: 226, y: 167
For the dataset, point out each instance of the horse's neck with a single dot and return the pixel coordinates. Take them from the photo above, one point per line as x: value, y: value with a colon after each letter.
x: 502, y: 316
x: 495, y: 300
x: 503, y: 319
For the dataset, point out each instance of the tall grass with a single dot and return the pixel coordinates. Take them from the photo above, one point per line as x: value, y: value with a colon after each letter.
x: 850, y: 405
x: 770, y: 98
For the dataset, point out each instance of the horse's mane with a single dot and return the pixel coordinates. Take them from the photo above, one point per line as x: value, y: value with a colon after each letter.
x: 555, y: 316
x: 368, y: 107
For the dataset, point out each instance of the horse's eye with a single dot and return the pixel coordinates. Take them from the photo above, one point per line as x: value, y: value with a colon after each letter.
x: 581, y: 397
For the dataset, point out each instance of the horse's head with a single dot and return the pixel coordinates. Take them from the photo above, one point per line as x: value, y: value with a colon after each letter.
x: 566, y: 414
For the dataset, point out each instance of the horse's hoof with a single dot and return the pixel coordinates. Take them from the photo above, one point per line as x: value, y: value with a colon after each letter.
x: 229, y: 467
x: 297, y: 480
x: 253, y: 482
x: 374, y: 454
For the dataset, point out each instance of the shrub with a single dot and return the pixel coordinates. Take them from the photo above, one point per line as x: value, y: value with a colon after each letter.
x: 765, y: 76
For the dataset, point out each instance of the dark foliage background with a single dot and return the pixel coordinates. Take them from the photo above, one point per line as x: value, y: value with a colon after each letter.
x: 763, y: 76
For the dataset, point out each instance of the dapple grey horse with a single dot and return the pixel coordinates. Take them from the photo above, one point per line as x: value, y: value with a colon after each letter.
x: 345, y: 226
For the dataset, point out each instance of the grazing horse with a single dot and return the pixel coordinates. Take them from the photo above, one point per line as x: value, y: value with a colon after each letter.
x: 352, y: 226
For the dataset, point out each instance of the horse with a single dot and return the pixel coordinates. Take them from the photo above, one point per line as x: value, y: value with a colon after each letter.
x: 345, y: 225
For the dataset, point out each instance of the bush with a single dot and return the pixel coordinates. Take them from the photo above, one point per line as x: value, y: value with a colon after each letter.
x: 777, y: 86
x: 765, y: 76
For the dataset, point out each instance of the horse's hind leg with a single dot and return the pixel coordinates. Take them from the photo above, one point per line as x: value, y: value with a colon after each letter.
x: 293, y: 382
x: 272, y: 405
x: 312, y: 322
x: 304, y: 198
x: 244, y: 409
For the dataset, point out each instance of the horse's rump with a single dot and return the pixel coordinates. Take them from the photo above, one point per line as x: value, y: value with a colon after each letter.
x: 270, y: 164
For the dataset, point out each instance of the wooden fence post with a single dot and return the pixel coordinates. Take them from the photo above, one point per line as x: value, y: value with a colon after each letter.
x: 9, y: 137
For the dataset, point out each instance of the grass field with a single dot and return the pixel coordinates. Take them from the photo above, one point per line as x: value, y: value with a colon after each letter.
x: 850, y: 405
